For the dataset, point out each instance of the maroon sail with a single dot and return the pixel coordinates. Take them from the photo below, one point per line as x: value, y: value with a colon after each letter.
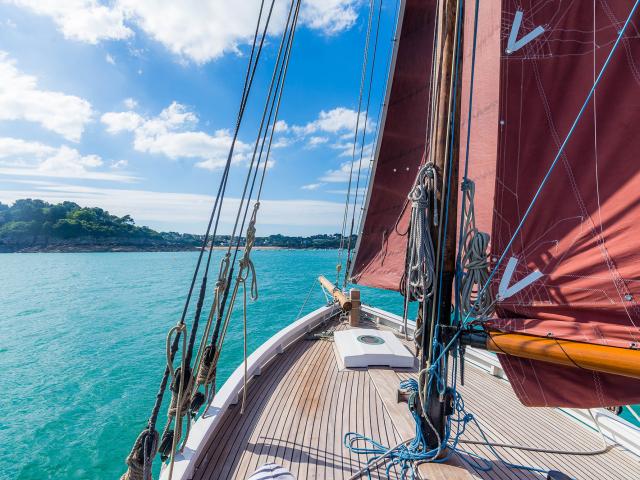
x: 583, y: 232
x: 382, y: 243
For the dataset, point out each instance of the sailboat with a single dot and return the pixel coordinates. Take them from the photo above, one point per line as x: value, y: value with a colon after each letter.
x: 503, y: 201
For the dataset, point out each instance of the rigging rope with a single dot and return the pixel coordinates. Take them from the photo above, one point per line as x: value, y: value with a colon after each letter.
x: 561, y: 149
x: 184, y: 398
x: 420, y: 251
x: 247, y: 269
x: 474, y: 260
x: 149, y: 435
x: 259, y: 160
x: 378, y: 124
x: 363, y: 77
x: 362, y: 145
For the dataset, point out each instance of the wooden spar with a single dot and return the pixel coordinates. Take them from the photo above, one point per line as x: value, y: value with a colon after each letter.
x: 336, y: 293
x: 444, y: 144
x: 354, y: 314
x: 599, y: 358
x: 443, y: 152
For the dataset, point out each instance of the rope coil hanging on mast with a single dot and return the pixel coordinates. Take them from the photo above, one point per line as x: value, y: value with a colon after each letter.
x: 475, y: 299
x: 420, y: 268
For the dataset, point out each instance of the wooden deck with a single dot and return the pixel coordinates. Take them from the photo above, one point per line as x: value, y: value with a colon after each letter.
x: 300, y: 408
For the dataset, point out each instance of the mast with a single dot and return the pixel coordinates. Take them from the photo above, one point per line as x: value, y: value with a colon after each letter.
x: 444, y: 150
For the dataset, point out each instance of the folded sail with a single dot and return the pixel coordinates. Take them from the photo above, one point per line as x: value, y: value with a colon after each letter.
x: 380, y: 257
x: 583, y: 233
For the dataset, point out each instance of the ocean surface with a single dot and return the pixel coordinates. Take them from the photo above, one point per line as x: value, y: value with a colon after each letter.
x: 82, y: 347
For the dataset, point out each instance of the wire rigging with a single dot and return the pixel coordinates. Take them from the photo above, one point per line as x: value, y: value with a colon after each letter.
x: 363, y: 77
x: 183, y: 397
x: 362, y: 145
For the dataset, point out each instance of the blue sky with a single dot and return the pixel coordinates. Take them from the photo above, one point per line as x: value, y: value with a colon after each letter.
x: 128, y: 105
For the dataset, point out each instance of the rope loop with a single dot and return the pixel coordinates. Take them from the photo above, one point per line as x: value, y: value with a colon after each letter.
x: 420, y: 268
x: 247, y: 268
x: 221, y: 283
x: 141, y: 456
x: 474, y: 260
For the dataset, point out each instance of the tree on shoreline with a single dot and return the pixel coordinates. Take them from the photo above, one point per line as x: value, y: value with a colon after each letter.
x: 33, y: 222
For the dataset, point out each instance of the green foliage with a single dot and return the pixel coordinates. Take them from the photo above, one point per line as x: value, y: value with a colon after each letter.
x: 27, y: 218
x: 35, y: 223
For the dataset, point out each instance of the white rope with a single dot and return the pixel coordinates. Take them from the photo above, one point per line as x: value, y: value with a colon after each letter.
x: 474, y: 261
x: 420, y: 272
x: 177, y: 414
x: 247, y: 269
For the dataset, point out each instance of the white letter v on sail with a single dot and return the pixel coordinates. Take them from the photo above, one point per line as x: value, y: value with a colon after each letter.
x: 513, y: 44
x: 506, y: 291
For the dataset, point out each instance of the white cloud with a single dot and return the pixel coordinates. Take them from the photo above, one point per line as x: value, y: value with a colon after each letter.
x: 185, y: 211
x: 334, y: 127
x: 21, y: 99
x: 17, y: 148
x: 346, y: 150
x: 34, y: 159
x: 110, y: 59
x: 215, y: 27
x: 117, y: 122
x: 341, y: 174
x: 120, y: 164
x: 345, y: 191
x: 130, y: 103
x: 312, y: 186
x: 171, y: 134
x: 281, y: 126
x: 282, y: 142
x: 85, y: 20
x: 329, y: 16
x: 316, y: 140
x: 337, y: 120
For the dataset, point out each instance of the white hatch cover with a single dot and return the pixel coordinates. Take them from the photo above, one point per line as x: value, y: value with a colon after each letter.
x: 364, y: 347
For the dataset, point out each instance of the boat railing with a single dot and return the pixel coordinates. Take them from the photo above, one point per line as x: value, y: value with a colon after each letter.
x: 205, y: 425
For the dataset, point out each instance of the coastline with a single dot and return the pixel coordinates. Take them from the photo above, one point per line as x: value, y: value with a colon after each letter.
x: 135, y: 248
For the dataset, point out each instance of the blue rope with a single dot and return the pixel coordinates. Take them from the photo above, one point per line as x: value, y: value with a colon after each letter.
x: 406, y: 454
x: 459, y: 272
x: 559, y: 154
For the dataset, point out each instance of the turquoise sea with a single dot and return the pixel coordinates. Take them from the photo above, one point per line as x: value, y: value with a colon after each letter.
x: 82, y: 347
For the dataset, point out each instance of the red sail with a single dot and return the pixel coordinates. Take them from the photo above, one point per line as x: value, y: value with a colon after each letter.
x: 583, y: 233
x: 382, y: 242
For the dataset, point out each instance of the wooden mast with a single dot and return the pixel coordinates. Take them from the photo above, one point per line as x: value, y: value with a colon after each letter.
x: 443, y: 147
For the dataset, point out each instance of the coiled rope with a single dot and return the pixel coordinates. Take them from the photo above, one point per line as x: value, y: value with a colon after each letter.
x: 420, y: 273
x: 474, y: 261
x: 138, y: 461
x: 406, y: 454
x: 420, y: 267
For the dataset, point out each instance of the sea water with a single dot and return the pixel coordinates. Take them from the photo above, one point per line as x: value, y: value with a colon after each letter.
x: 82, y: 347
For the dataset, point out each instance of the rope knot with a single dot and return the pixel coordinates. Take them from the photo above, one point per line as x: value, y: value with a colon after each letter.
x: 141, y: 456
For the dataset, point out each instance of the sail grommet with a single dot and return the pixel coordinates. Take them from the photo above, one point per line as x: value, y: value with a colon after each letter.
x: 628, y: 297
x: 633, y: 346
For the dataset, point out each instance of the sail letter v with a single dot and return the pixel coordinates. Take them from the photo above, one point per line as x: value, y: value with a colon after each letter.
x: 513, y: 44
x: 504, y: 290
